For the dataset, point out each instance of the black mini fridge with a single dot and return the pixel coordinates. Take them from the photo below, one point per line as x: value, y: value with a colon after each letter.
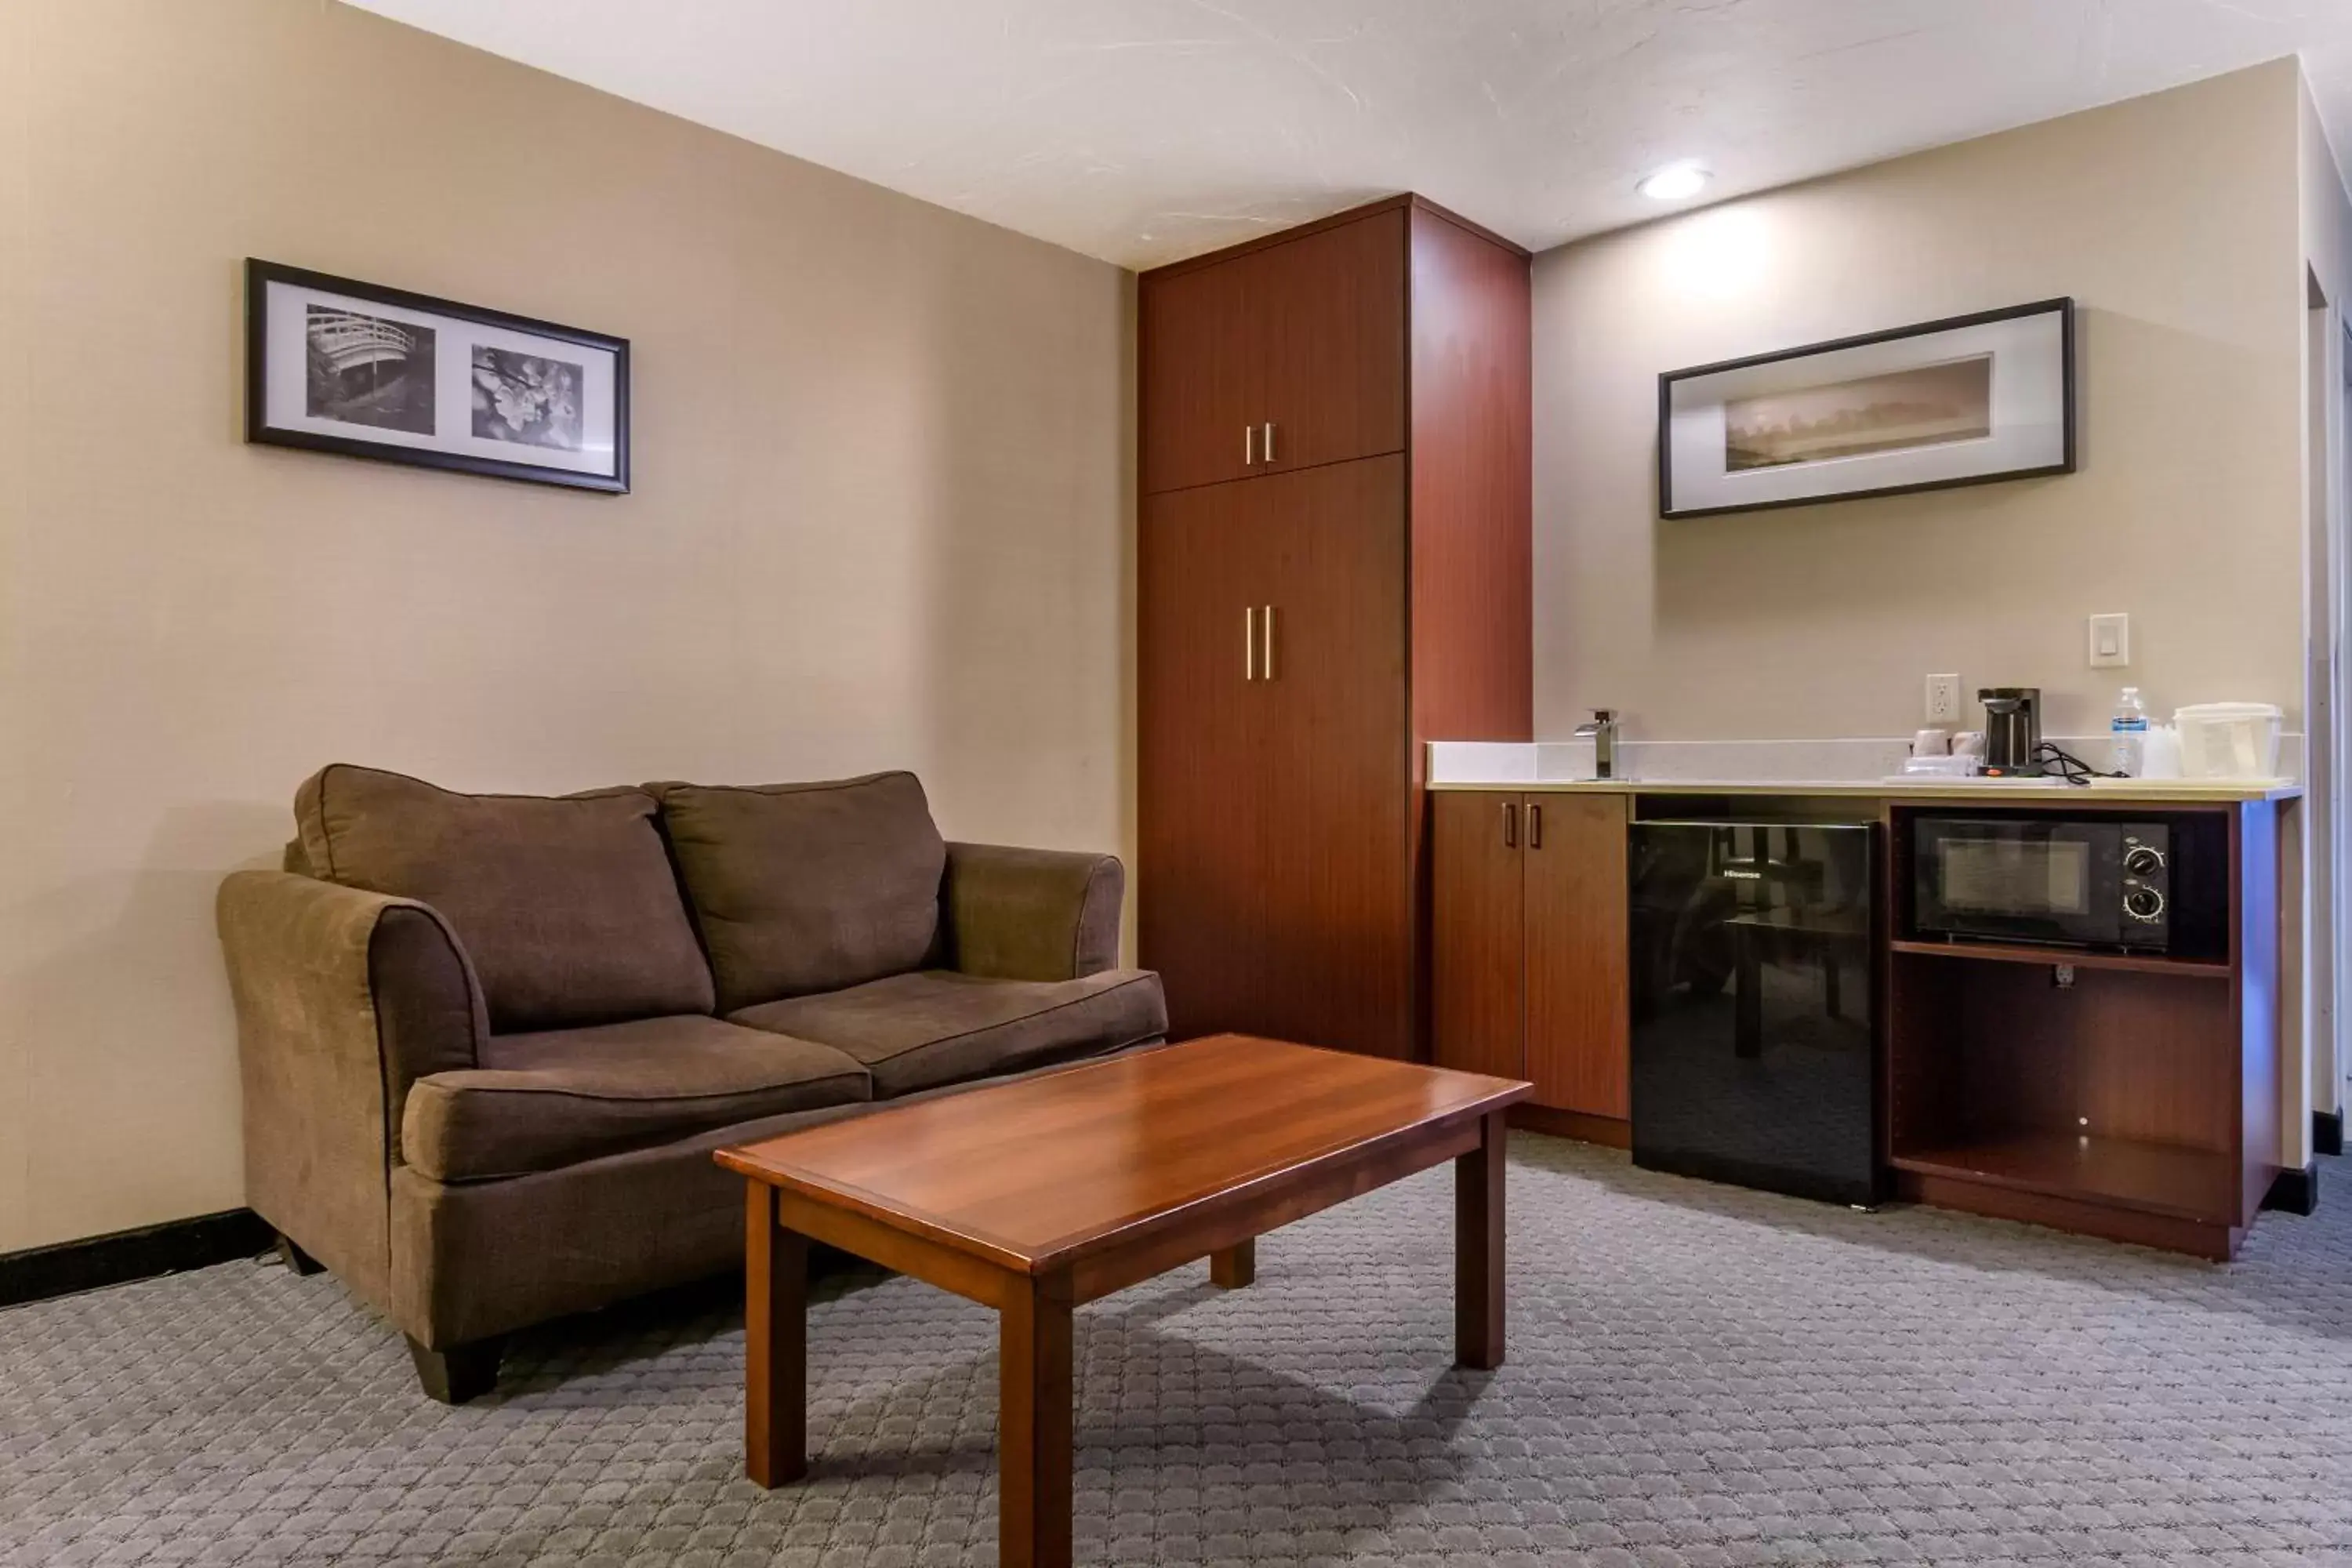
x: 1755, y: 1004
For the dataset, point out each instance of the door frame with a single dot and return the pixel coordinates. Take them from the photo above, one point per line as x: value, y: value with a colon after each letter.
x: 2325, y: 862
x: 2336, y: 1065
x: 2330, y: 1075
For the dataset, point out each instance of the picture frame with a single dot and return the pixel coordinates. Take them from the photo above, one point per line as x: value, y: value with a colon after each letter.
x: 334, y: 364
x: 1965, y: 400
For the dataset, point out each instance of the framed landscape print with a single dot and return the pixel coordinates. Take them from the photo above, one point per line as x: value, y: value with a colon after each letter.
x: 336, y: 365
x: 1957, y: 402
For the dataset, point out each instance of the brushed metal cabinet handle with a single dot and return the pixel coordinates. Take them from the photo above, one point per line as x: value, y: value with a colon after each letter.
x: 1535, y: 825
x: 1249, y: 642
x: 1510, y: 825
x: 1266, y: 445
x: 1265, y: 645
x: 1249, y: 445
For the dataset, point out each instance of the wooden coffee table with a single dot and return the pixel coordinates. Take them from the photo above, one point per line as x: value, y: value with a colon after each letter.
x: 1038, y: 1196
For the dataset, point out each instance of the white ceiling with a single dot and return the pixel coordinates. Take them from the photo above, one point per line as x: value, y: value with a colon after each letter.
x: 1143, y: 130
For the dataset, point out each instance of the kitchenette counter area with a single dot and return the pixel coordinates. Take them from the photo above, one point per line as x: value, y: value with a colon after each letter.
x: 1865, y: 768
x: 1987, y: 791
x: 2065, y: 1004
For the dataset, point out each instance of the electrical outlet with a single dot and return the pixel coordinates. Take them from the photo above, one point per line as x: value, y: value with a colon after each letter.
x: 1943, y: 699
x: 2110, y: 641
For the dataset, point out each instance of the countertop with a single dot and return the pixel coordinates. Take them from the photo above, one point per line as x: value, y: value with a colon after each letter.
x: 1987, y: 791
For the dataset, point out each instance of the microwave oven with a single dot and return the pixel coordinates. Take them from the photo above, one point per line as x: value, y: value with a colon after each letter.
x: 2078, y: 881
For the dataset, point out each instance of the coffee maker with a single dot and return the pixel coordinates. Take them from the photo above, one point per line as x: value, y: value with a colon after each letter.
x: 2012, y: 731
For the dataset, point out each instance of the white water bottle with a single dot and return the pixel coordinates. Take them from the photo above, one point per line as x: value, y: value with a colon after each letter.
x: 2128, y: 733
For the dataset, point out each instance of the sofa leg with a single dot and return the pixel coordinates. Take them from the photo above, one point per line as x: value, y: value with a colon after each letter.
x: 294, y: 1258
x: 460, y: 1373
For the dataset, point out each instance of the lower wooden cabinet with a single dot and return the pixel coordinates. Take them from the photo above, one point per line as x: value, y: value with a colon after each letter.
x: 1477, y: 934
x: 1527, y: 943
x: 1579, y: 1028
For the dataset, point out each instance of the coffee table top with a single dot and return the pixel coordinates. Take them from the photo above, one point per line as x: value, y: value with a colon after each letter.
x: 1031, y: 1173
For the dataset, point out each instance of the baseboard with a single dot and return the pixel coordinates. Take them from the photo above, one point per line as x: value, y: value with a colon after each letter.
x: 2295, y: 1191
x: 2328, y: 1131
x: 2199, y: 1238
x: 1583, y: 1126
x: 40, y: 1272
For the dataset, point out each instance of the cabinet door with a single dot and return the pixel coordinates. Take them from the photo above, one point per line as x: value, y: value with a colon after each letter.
x: 1579, y: 1026
x: 1203, y: 565
x: 1329, y: 330
x: 1477, y: 945
x: 1197, y: 365
x: 1306, y: 336
x: 1333, y: 780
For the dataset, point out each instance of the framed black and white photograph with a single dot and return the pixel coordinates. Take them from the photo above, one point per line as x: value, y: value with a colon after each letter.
x: 337, y: 365
x: 1961, y: 401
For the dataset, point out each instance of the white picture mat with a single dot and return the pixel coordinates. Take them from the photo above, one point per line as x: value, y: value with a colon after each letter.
x: 286, y: 381
x: 2028, y: 417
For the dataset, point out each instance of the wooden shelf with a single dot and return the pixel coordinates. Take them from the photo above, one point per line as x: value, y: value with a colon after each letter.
x: 2138, y: 1102
x: 2152, y: 1178
x: 1998, y: 953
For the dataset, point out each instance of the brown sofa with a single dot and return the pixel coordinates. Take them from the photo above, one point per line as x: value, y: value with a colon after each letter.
x: 489, y: 1042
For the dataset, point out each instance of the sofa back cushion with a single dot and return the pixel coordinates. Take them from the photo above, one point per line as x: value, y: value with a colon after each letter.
x: 567, y: 905
x: 808, y: 887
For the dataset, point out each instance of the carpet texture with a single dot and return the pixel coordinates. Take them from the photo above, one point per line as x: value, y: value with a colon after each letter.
x: 1696, y: 1374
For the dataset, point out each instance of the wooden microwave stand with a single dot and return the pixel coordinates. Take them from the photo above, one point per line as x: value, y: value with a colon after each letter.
x: 2138, y: 1100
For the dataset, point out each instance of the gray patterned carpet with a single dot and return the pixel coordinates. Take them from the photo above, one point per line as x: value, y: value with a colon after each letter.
x: 1696, y: 1376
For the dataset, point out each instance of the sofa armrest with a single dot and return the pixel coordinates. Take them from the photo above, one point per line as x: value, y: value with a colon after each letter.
x: 1033, y: 914
x: 343, y: 999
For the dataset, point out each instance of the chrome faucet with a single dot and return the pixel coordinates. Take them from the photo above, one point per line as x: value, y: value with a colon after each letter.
x: 1602, y: 731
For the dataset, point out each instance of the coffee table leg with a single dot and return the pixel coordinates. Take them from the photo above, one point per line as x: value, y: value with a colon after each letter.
x: 1234, y: 1267
x: 775, y: 1343
x: 1034, y: 1425
x: 1478, y: 1250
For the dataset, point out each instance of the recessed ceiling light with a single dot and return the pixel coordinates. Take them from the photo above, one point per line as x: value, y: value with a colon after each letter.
x: 1676, y: 181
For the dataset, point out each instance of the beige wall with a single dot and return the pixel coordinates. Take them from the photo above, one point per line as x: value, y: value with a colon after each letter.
x: 2171, y: 219
x: 881, y: 516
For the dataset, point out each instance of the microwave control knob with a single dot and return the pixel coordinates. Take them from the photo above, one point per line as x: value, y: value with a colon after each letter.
x: 2142, y: 861
x: 2143, y: 903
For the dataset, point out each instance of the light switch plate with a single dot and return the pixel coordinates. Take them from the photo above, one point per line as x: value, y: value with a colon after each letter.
x: 1943, y: 699
x: 2110, y: 641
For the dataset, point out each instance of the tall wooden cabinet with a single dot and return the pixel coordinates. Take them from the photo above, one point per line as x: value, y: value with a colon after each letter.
x: 1333, y: 569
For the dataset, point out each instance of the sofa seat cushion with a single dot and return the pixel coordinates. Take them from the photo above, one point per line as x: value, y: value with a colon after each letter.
x: 808, y: 887
x: 566, y: 905
x: 936, y: 1026
x: 555, y: 1097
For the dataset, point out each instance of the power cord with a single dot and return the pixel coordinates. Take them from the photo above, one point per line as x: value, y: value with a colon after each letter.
x: 2058, y: 762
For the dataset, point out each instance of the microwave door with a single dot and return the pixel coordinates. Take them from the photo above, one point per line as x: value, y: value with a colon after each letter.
x: 2029, y: 881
